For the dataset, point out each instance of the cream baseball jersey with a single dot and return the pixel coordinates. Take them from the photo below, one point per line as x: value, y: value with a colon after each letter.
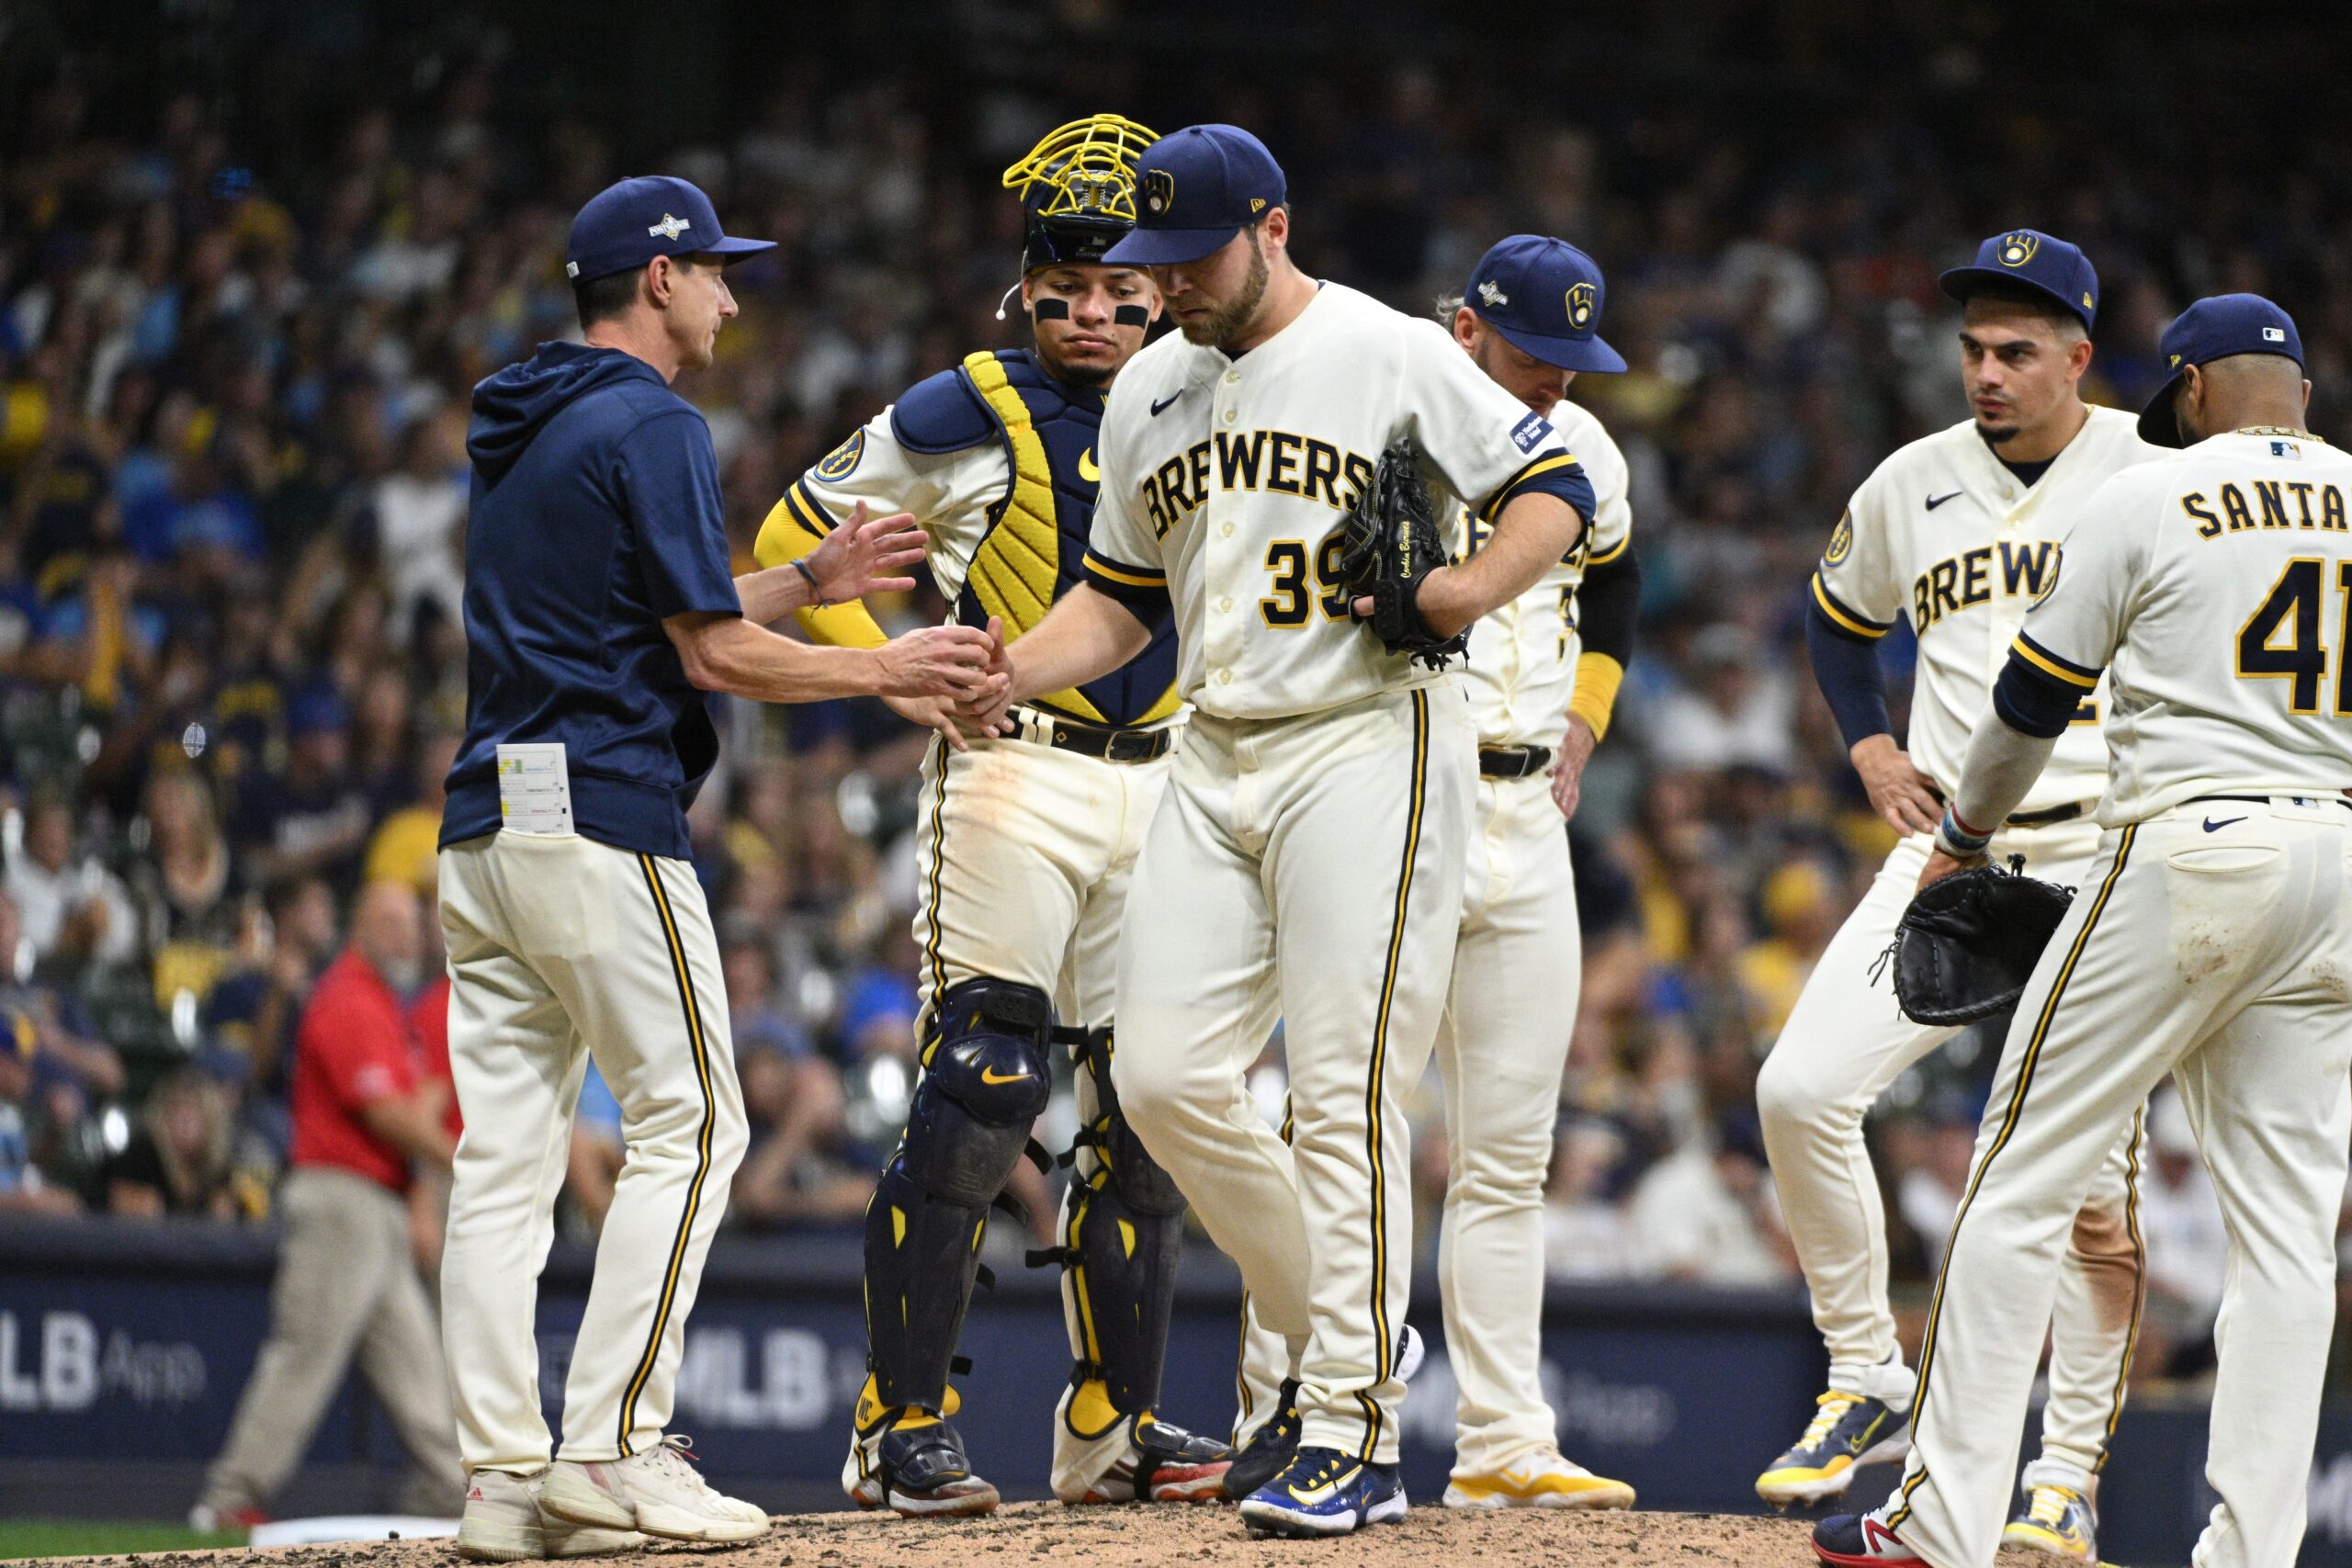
x: 2215, y: 590
x: 952, y: 493
x: 1523, y: 657
x: 1944, y: 533
x: 1224, y: 479
x: 996, y: 460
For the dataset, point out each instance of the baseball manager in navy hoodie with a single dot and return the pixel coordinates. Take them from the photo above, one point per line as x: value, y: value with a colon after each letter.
x: 599, y: 610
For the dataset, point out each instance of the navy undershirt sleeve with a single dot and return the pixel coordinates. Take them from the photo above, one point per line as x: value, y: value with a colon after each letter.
x: 1846, y: 668
x: 2034, y: 702
x: 1608, y: 601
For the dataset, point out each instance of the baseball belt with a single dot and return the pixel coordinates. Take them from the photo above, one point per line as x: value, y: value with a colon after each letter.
x: 2044, y: 819
x: 1512, y: 762
x: 1113, y: 745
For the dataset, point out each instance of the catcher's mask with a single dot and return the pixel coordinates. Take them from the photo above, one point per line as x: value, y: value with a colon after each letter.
x: 1078, y: 189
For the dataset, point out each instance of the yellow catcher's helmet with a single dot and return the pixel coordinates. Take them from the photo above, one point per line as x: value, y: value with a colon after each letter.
x: 1078, y: 189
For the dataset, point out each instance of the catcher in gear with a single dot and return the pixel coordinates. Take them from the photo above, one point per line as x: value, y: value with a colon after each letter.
x: 1028, y: 843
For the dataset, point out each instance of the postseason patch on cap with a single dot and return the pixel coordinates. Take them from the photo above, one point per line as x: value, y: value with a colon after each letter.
x: 1530, y: 433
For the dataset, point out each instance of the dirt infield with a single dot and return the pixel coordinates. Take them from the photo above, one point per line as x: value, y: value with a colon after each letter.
x: 1138, y: 1538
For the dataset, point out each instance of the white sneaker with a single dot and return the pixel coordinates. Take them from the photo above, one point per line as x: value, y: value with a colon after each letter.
x: 658, y: 1492
x: 502, y: 1524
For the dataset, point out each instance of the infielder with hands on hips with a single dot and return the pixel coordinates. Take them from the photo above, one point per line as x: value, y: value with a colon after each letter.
x: 598, y: 610
x: 2211, y: 939
x: 1542, y: 677
x: 1027, y: 844
x: 1955, y: 530
x: 1307, y: 861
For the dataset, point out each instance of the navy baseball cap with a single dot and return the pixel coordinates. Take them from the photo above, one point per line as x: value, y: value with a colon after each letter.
x: 1543, y: 296
x: 1196, y: 190
x: 625, y: 225
x: 2220, y: 327
x: 2042, y: 261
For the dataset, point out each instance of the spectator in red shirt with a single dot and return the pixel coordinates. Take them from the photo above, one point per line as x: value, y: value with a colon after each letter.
x: 428, y: 1018
x: 364, y: 1116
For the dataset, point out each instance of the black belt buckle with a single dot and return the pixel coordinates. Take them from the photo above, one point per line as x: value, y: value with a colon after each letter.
x: 1135, y: 745
x: 1512, y: 762
x: 1111, y: 745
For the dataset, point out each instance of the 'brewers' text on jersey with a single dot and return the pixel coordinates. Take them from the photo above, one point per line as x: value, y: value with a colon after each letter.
x: 1225, y: 481
x: 1944, y: 532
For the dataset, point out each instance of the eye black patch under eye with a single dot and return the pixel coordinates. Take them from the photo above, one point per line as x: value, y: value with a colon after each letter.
x: 1050, y: 309
x: 1131, y: 316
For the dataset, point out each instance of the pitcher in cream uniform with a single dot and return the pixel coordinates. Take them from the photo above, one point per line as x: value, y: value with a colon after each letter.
x: 1306, y: 861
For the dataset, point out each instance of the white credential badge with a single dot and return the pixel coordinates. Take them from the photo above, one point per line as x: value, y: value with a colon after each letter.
x: 533, y: 788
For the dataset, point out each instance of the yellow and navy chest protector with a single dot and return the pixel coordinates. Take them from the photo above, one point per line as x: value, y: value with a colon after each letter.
x: 1036, y: 536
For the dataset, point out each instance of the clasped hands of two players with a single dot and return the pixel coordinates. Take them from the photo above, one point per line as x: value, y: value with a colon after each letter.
x: 923, y: 674
x: 984, y: 708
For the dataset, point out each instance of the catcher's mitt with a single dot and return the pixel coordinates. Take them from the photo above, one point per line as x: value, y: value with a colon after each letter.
x: 1966, y: 946
x: 1393, y: 543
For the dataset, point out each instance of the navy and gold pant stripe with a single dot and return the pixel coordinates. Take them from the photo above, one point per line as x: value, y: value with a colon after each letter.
x: 692, y: 1009
x: 938, y: 860
x: 2140, y: 1266
x: 1375, y: 1085
x: 2001, y: 1141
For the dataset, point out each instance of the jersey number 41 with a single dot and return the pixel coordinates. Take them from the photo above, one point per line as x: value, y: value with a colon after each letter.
x: 2281, y: 641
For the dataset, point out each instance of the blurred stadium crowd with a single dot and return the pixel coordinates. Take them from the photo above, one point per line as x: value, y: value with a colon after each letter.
x: 236, y: 343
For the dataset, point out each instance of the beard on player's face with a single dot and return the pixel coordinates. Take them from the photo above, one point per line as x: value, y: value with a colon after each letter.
x: 1226, y: 320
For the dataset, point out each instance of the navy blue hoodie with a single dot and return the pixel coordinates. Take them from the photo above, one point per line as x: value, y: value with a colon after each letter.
x: 596, y: 515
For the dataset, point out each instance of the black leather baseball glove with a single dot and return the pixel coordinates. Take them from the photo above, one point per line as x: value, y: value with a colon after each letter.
x: 1393, y: 543
x: 1966, y: 946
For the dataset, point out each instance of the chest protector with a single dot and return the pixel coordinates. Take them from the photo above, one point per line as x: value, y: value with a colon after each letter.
x: 1036, y: 536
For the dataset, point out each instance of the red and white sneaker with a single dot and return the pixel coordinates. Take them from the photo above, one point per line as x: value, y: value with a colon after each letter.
x: 1860, y: 1541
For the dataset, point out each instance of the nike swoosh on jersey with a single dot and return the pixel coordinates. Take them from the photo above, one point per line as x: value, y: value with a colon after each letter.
x: 1326, y: 1492
x: 990, y: 1076
x: 2214, y: 827
x: 1086, y: 468
x: 1936, y: 501
x: 1165, y: 402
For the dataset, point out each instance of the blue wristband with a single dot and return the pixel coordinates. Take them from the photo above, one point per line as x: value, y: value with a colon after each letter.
x: 1956, y: 841
x: 815, y: 594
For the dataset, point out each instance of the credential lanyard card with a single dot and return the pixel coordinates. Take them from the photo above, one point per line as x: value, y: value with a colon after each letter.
x: 533, y: 788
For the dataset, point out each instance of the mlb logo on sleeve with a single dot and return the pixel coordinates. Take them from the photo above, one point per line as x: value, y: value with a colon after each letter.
x: 1530, y: 433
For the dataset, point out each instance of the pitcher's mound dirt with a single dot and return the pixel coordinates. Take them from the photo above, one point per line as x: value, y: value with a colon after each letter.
x: 1041, y: 1533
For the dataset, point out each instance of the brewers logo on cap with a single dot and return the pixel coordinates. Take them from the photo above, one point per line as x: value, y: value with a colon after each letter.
x: 2018, y: 249
x: 1580, y: 297
x: 1158, y: 190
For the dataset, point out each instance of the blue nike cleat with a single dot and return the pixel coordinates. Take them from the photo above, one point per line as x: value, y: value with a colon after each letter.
x: 1848, y: 1431
x: 1325, y: 1492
